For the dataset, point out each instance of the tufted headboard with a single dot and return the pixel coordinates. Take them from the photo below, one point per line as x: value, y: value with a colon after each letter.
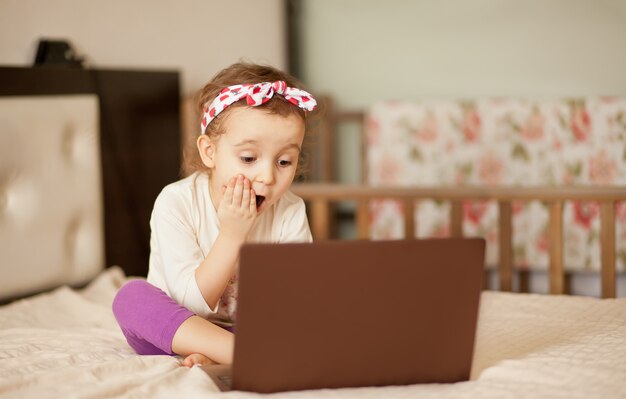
x: 51, y: 213
x: 83, y: 155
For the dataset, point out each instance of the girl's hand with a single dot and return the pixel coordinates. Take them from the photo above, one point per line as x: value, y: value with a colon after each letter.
x: 237, y: 210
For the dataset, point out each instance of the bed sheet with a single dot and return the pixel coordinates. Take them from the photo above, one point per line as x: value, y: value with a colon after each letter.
x: 66, y: 344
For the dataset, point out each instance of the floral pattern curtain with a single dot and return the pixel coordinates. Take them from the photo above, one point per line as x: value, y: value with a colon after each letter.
x: 503, y: 142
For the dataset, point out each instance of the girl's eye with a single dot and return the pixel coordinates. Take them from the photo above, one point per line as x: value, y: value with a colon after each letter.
x: 247, y: 159
x: 284, y: 162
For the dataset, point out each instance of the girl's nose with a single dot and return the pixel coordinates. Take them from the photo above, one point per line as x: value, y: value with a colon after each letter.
x: 266, y: 174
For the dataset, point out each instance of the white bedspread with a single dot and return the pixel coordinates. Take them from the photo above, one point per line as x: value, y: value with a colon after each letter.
x: 67, y: 344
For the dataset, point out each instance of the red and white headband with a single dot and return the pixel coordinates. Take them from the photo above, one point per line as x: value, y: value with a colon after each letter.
x: 255, y: 94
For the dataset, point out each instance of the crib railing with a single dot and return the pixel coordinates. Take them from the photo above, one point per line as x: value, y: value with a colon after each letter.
x: 321, y: 197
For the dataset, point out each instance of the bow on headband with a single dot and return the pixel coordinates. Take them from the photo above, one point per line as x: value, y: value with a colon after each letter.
x: 255, y: 94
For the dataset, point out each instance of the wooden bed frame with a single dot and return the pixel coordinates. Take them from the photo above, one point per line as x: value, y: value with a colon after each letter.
x: 322, y: 193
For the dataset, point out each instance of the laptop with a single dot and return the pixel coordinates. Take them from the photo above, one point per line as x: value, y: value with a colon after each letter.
x: 354, y: 313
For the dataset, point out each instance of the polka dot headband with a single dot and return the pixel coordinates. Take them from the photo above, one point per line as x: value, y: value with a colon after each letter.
x: 255, y: 95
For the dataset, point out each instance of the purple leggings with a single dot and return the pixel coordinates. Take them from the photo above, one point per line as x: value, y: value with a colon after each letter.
x: 148, y: 317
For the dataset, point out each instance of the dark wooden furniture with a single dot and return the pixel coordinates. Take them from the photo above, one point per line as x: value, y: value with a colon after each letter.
x: 140, y: 144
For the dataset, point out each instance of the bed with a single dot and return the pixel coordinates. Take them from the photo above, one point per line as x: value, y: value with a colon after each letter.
x: 66, y: 344
x: 59, y: 338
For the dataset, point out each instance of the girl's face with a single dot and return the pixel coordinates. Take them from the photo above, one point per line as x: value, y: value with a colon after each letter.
x: 263, y: 147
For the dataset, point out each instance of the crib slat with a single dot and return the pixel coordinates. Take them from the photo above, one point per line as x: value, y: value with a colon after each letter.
x: 409, y: 218
x: 505, y: 246
x: 361, y: 118
x: 363, y: 219
x: 456, y: 218
x: 320, y: 225
x: 607, y: 243
x: 327, y: 134
x: 556, y: 273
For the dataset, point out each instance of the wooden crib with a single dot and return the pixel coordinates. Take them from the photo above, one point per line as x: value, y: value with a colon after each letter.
x: 322, y: 194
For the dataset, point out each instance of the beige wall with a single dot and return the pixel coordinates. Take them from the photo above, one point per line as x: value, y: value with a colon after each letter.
x: 366, y: 50
x: 196, y: 37
x: 363, y: 51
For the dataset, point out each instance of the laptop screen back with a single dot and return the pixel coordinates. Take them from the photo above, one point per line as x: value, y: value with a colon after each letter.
x: 356, y: 313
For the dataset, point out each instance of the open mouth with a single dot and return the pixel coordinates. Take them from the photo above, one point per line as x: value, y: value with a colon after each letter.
x: 259, y: 200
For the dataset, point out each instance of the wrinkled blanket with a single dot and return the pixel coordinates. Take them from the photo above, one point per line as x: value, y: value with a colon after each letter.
x: 66, y: 344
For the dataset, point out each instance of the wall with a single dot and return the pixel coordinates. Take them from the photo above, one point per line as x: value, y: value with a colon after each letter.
x: 363, y: 51
x: 196, y: 37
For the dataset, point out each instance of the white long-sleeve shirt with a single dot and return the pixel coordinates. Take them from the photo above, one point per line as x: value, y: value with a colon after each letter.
x: 184, y: 227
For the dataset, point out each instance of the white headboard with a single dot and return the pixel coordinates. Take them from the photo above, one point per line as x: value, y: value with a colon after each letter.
x: 51, y: 206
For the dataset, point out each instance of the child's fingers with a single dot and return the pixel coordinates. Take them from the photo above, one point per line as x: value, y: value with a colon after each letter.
x: 228, y: 192
x: 238, y: 191
x: 245, y: 195
x: 252, y: 201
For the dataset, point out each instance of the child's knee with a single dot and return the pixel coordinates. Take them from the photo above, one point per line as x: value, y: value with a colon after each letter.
x: 147, y: 317
x: 128, y: 296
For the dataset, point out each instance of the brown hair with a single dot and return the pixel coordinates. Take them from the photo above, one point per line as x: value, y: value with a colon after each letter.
x: 242, y: 73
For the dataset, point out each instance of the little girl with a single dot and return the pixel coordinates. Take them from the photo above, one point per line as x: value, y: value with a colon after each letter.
x: 251, y: 138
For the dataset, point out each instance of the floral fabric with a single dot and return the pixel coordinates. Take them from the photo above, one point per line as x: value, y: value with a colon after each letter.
x: 504, y: 142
